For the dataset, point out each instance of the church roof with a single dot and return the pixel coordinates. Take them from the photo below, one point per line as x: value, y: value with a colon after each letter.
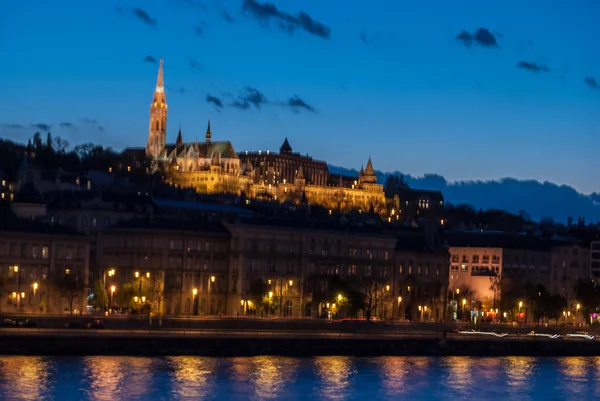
x: 223, y: 148
x: 285, y: 147
x: 369, y: 169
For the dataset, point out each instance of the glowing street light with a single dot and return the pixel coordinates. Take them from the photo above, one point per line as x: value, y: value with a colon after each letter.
x: 35, y: 287
x: 291, y: 282
x: 212, y: 278
x: 195, y: 291
x: 339, y: 297
x: 137, y: 274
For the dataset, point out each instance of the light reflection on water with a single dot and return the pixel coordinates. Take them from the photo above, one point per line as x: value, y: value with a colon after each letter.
x: 277, y: 378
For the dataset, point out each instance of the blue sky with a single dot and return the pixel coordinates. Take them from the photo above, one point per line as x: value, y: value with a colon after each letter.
x: 386, y: 79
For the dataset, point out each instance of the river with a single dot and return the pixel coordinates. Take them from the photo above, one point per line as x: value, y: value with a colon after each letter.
x: 277, y: 378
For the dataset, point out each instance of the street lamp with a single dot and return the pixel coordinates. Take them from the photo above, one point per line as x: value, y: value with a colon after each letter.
x: 194, y: 293
x: 35, y: 287
x: 339, y: 297
x: 112, y: 293
x: 270, y: 298
x: 464, y: 302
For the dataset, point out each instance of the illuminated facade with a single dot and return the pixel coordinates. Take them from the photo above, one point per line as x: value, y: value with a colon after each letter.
x: 209, y: 167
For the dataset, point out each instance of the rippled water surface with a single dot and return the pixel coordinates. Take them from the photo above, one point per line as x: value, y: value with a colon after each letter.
x: 277, y: 378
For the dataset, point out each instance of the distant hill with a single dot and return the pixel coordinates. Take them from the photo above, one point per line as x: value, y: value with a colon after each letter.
x: 538, y: 199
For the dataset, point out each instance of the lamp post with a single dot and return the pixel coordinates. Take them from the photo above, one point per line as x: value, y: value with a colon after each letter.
x: 35, y: 287
x: 464, y: 303
x: 421, y: 310
x: 18, y: 292
x: 519, y: 316
x: 194, y: 293
x: 210, y: 280
x: 112, y: 293
x: 269, y: 307
x: 399, y: 304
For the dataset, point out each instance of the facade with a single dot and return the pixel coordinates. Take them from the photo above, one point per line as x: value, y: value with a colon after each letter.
x: 282, y: 168
x: 43, y: 268
x: 172, y: 258
x: 416, y: 204
x: 480, y: 261
x: 421, y: 277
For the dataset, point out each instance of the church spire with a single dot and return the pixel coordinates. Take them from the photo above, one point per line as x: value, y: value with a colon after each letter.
x: 208, y: 133
x: 157, y: 135
x: 160, y: 86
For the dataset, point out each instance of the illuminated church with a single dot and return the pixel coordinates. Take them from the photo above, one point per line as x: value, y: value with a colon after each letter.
x: 214, y: 167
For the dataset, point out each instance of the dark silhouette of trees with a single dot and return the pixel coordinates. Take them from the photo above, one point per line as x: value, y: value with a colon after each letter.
x: 70, y: 285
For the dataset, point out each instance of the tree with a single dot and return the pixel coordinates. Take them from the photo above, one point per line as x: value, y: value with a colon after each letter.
x: 258, y: 291
x: 70, y: 285
x: 373, y: 297
x: 49, y: 141
x: 100, y: 299
x: 157, y: 295
x: 587, y: 293
x: 495, y: 287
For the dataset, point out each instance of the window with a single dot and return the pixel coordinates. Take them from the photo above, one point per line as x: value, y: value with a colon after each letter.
x: 207, y: 246
x: 94, y: 221
x: 401, y: 269
x: 409, y: 270
x: 465, y: 259
x: 369, y: 254
x: 352, y: 252
x: 34, y: 251
x: 254, y: 265
x: 386, y: 255
x: 352, y: 270
x: 475, y: 259
x: 70, y: 252
x: 454, y: 258
x: 59, y: 252
x: 172, y: 244
x: 290, y: 267
x: 495, y: 259
x: 418, y: 270
x: 368, y: 271
x: 84, y: 220
x: 464, y: 267
x: 45, y: 252
x: 486, y: 258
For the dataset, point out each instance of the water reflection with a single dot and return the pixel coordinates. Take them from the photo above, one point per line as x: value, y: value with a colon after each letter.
x: 192, y: 376
x: 116, y: 377
x: 575, y: 371
x: 24, y: 378
x: 518, y: 370
x: 333, y: 376
x: 460, y: 374
x: 395, y: 374
x: 271, y: 375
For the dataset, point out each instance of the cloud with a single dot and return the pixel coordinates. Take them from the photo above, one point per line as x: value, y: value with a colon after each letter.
x: 195, y: 64
x: 266, y: 11
x: 101, y: 128
x: 214, y: 100
x: 181, y: 90
x: 144, y: 17
x: 481, y: 37
x: 198, y: 30
x: 12, y: 126
x: 296, y: 103
x: 90, y: 121
x: 149, y: 59
x: 591, y: 82
x: 363, y: 37
x: 250, y: 96
x: 67, y: 125
x: 533, y: 67
x: 228, y: 18
x: 42, y: 126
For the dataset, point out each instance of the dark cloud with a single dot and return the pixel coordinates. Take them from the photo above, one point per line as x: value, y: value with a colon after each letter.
x: 363, y: 37
x: 481, y: 37
x: 42, y: 126
x: 591, y: 82
x: 199, y: 31
x: 67, y: 125
x: 101, y: 128
x: 149, y: 59
x: 181, y: 90
x: 12, y: 126
x: 195, y: 64
x: 296, y: 103
x: 90, y: 121
x: 214, y: 100
x: 266, y: 11
x: 526, y: 65
x: 250, y: 97
x: 144, y: 17
x: 289, y: 28
x: 227, y: 17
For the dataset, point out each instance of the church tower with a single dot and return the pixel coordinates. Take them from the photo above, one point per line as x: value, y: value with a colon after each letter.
x: 158, y: 119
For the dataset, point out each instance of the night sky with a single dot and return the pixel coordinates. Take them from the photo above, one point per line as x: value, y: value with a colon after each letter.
x: 466, y: 89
